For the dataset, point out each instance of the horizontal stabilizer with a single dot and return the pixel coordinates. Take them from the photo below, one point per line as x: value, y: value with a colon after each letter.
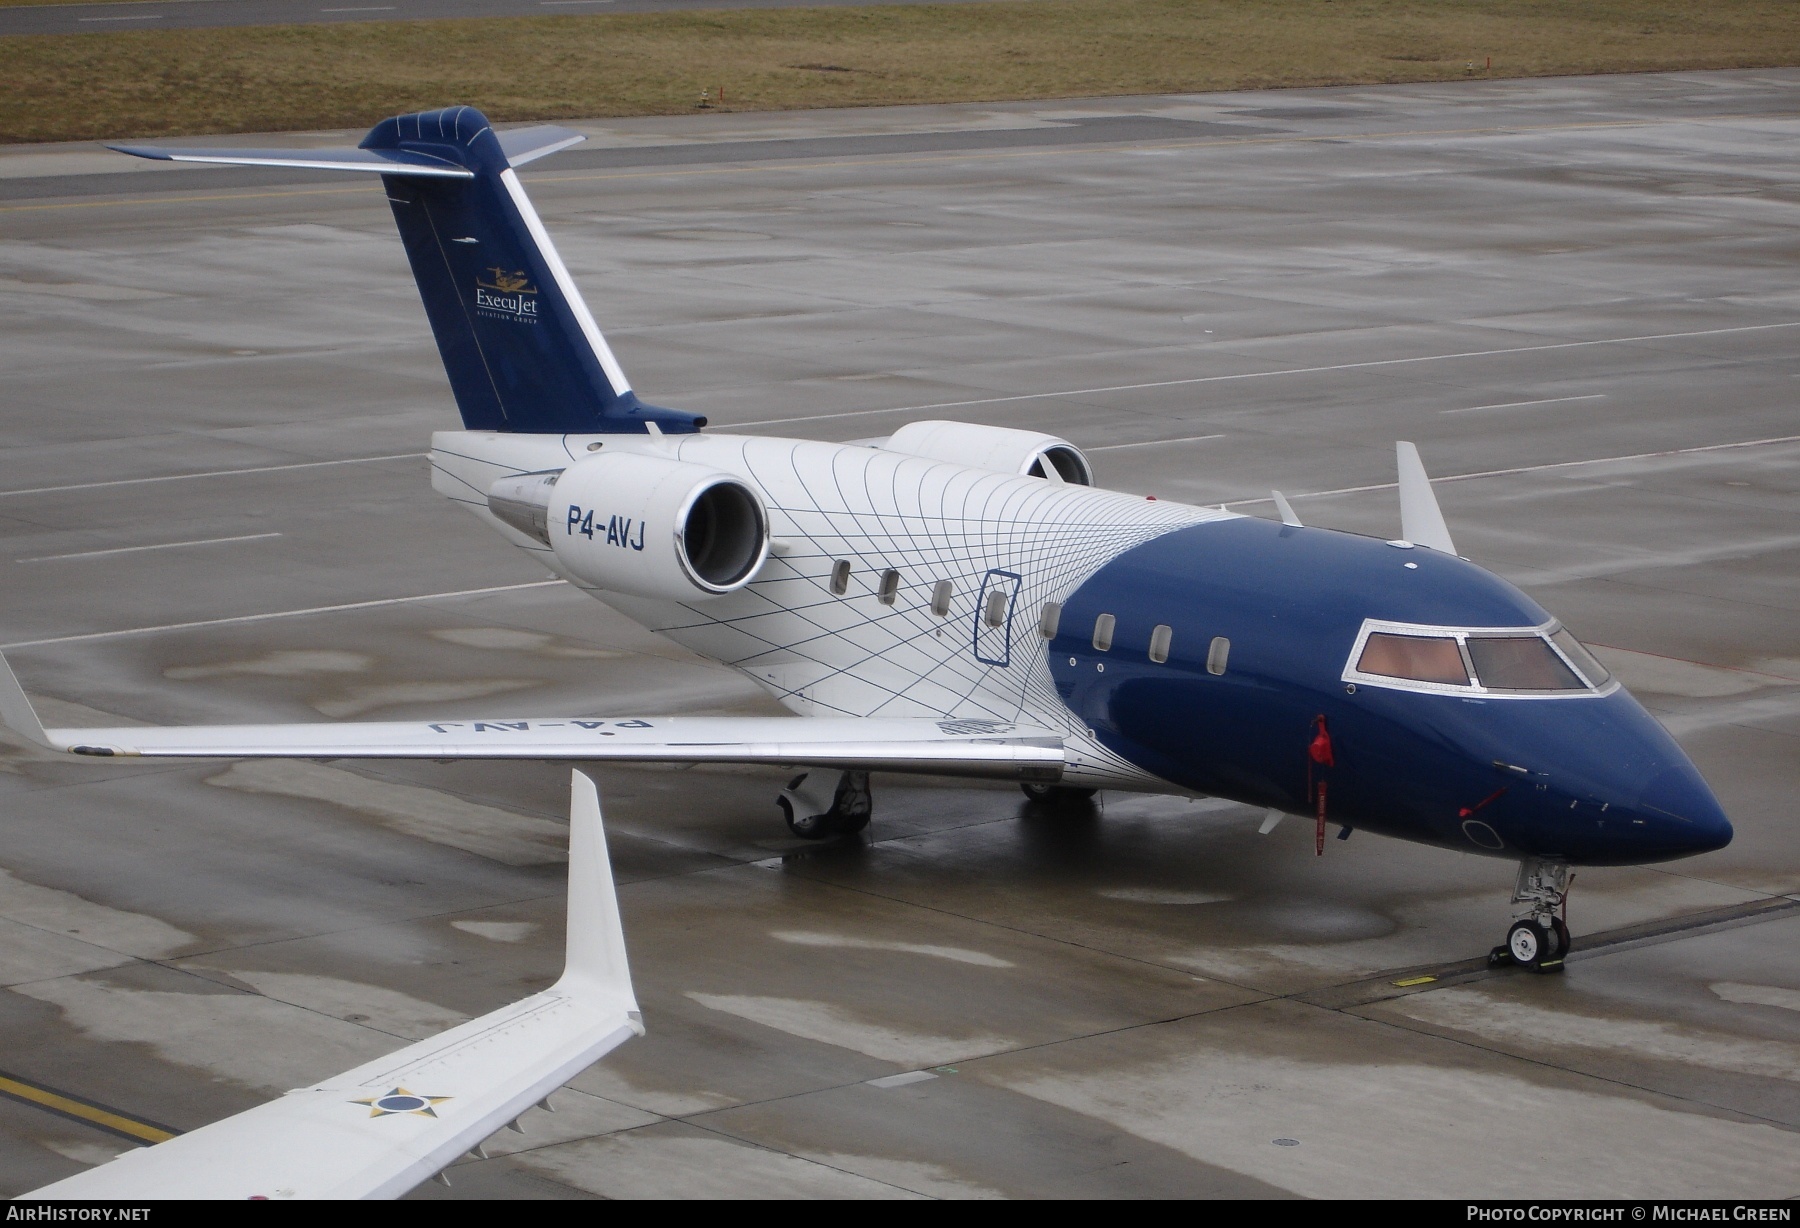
x: 523, y: 352
x: 522, y: 145
x: 380, y: 1129
x: 380, y: 161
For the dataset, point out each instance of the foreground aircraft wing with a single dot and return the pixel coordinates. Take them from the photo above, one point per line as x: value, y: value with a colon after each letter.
x: 379, y: 1130
x: 948, y: 747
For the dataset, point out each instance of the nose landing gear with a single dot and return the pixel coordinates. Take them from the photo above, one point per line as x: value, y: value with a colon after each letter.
x: 1539, y: 939
x: 813, y: 813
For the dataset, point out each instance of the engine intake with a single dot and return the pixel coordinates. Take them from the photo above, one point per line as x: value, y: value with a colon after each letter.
x: 642, y: 525
x: 999, y: 448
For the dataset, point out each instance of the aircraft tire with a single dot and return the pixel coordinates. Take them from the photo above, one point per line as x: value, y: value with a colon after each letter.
x: 1058, y: 796
x: 1529, y: 944
x: 807, y: 827
x: 1559, y: 939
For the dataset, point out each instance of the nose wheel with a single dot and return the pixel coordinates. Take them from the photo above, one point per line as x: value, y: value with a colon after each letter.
x: 1535, y: 946
x: 1539, y: 940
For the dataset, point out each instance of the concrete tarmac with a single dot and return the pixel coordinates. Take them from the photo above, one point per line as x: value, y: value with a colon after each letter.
x: 1577, y: 296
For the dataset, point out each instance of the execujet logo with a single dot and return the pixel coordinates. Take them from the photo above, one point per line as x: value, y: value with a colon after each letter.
x: 506, y: 296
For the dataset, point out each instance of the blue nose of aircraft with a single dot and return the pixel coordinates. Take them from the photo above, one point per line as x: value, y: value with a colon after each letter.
x: 1678, y: 811
x: 1602, y: 783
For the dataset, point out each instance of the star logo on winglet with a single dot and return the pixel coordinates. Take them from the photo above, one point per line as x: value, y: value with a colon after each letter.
x: 402, y: 1101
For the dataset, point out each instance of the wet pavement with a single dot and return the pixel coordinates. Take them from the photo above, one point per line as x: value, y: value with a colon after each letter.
x: 1577, y: 297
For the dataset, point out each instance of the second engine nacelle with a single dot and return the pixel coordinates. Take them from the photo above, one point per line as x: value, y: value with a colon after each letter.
x: 999, y: 448
x: 643, y: 525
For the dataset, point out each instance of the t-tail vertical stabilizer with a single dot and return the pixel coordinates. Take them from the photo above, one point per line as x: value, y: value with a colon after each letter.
x: 522, y: 350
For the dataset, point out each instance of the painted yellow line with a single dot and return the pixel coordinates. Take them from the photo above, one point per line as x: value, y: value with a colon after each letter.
x: 1100, y: 145
x: 80, y: 1110
x: 1410, y: 981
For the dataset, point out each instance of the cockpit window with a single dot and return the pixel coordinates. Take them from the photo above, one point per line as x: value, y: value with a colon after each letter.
x: 1415, y: 657
x: 1520, y: 663
x: 1580, y: 657
x: 1499, y: 661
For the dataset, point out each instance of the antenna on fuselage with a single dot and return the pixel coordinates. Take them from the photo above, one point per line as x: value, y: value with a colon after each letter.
x: 1421, y: 522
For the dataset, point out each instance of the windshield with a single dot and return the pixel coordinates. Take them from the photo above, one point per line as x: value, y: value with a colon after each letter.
x: 1480, y: 660
x: 1520, y: 663
x: 1418, y: 657
x: 1580, y: 657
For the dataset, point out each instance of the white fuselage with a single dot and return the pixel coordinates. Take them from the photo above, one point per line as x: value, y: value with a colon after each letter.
x: 824, y: 653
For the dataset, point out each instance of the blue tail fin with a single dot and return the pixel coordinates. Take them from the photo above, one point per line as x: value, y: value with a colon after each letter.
x: 522, y: 351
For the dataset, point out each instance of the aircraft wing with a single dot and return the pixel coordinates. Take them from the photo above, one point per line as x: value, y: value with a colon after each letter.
x: 379, y: 1130
x: 949, y: 747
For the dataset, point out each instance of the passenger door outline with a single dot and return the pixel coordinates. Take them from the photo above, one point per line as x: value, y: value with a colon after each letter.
x: 993, y: 645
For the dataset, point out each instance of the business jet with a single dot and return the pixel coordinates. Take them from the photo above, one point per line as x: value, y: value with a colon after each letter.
x: 962, y: 600
x: 388, y: 1125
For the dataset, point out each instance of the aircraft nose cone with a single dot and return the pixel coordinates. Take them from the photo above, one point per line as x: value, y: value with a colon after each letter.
x: 1680, y: 808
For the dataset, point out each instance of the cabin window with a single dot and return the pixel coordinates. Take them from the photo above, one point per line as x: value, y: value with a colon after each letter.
x: 1159, y: 642
x: 1103, y: 632
x: 1420, y: 658
x: 1217, y: 655
x: 1520, y: 663
x: 1580, y: 657
x: 941, y: 592
x: 840, y: 577
x: 993, y: 613
x: 1050, y: 619
x: 890, y: 587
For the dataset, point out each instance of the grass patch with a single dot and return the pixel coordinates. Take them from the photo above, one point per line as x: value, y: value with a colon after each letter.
x: 165, y: 83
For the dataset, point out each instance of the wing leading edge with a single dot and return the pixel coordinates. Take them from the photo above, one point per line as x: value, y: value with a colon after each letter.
x: 947, y: 747
x: 380, y: 1129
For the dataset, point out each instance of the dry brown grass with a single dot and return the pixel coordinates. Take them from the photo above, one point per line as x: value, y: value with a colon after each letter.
x: 163, y: 83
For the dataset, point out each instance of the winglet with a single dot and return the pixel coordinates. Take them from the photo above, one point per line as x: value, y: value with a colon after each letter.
x: 1287, y: 511
x: 16, y: 711
x: 596, y: 957
x: 1420, y: 520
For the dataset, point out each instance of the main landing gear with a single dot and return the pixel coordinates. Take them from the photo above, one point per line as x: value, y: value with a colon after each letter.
x: 1059, y: 797
x: 815, y: 811
x: 1539, y: 939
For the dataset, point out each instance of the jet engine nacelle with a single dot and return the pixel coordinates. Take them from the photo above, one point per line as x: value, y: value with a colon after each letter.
x: 643, y: 525
x: 993, y: 447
